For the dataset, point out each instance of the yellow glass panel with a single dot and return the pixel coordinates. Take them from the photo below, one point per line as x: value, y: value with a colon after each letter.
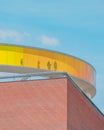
x: 29, y: 60
x: 3, y: 57
x: 19, y: 59
x: 10, y: 58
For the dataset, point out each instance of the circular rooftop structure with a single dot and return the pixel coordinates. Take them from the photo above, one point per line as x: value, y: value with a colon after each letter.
x: 21, y: 59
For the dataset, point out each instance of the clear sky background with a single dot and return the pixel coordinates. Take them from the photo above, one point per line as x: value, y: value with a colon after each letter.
x: 75, y: 27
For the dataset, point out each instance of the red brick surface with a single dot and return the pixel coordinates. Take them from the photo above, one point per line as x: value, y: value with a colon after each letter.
x: 46, y: 105
x: 33, y: 105
x: 82, y: 115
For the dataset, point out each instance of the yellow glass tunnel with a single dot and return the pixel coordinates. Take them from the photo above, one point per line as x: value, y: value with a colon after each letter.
x: 21, y: 59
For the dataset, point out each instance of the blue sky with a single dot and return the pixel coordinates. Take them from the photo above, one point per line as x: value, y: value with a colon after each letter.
x: 75, y: 27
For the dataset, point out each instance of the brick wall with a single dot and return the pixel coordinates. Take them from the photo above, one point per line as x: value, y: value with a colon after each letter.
x: 54, y: 104
x: 82, y: 115
x: 33, y: 105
